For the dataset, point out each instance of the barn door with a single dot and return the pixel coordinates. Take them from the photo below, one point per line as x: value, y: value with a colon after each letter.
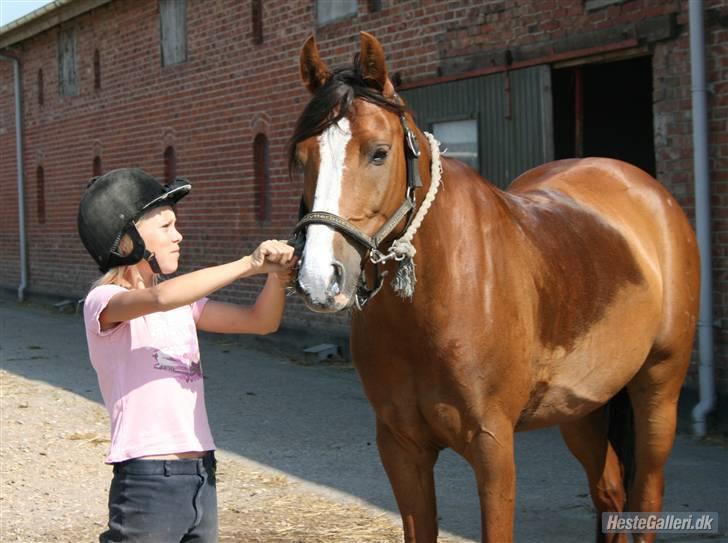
x: 501, y: 124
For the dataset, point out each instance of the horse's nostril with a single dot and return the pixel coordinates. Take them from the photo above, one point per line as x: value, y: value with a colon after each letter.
x: 337, y: 279
x: 338, y: 272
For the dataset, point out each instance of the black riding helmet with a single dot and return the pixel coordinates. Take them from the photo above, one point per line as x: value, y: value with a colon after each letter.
x: 111, y: 205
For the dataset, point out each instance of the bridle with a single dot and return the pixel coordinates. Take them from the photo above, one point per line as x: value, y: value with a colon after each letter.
x: 370, y: 243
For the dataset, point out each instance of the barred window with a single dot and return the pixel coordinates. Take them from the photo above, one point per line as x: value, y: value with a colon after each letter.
x: 40, y: 194
x: 332, y: 10
x: 97, y: 69
x: 261, y: 168
x: 67, y: 80
x: 173, y: 31
x: 96, y: 167
x: 170, y: 164
x: 40, y: 87
x: 257, y: 20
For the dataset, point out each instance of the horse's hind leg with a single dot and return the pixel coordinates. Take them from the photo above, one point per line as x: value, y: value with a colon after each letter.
x: 411, y: 473
x: 587, y: 439
x: 654, y: 393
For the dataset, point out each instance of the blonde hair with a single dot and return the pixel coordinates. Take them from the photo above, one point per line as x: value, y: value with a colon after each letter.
x: 117, y: 275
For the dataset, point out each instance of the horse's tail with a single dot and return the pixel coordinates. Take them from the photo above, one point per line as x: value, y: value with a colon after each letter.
x: 621, y: 435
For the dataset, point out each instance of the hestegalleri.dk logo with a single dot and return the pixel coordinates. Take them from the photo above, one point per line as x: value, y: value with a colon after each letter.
x: 695, y: 522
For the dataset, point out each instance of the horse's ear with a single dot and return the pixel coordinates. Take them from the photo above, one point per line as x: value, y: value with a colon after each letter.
x: 314, y: 73
x: 372, y: 65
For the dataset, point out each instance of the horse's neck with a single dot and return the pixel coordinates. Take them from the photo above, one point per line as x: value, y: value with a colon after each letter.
x: 469, y: 214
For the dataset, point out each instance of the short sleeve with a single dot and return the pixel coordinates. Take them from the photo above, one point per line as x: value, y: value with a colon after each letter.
x: 197, y: 308
x: 94, y: 304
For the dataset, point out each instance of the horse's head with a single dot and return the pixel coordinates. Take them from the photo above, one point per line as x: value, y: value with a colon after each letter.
x: 350, y: 144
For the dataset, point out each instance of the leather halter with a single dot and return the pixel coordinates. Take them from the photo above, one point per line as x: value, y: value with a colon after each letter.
x: 370, y: 243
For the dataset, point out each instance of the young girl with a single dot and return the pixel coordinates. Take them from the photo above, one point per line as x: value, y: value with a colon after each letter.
x: 142, y: 341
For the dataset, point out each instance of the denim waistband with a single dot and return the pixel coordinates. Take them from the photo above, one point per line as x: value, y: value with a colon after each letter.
x: 185, y: 466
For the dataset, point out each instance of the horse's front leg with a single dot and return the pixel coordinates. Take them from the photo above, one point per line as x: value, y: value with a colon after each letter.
x: 410, y: 471
x: 490, y: 453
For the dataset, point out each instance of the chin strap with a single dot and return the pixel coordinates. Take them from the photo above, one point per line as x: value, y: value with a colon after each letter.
x: 152, y: 260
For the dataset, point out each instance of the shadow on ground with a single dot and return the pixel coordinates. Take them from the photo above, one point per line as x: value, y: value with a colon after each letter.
x: 313, y: 422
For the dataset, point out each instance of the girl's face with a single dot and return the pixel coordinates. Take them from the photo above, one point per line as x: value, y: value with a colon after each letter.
x: 160, y: 235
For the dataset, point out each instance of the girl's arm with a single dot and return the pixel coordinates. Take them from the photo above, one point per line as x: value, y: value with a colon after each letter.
x: 270, y: 256
x: 263, y: 317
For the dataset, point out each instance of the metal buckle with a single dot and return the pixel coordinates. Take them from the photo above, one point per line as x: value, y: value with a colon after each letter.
x: 409, y: 137
x: 412, y: 142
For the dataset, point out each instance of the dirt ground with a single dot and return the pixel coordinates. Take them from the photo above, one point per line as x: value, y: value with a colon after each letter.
x: 53, y: 482
x: 315, y: 479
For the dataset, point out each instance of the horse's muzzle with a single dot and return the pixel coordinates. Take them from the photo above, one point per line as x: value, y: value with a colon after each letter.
x: 329, y: 295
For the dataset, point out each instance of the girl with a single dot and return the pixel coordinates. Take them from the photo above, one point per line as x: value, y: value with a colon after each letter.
x: 142, y: 341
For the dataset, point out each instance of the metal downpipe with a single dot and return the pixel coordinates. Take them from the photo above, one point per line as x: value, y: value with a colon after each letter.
x: 706, y: 372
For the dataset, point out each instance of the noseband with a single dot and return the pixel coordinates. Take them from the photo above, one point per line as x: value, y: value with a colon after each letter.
x: 370, y: 243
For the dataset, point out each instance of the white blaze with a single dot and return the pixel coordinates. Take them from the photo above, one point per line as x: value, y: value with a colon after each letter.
x: 318, y: 256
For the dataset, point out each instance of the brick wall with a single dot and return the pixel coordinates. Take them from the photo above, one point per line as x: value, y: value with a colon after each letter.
x: 212, y: 106
x: 9, y: 247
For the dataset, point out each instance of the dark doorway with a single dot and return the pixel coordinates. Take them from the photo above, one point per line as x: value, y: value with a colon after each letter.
x: 605, y: 110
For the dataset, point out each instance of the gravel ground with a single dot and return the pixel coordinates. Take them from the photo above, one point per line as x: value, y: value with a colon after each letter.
x: 54, y: 483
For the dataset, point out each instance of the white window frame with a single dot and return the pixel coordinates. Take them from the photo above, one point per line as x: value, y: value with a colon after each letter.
x: 473, y: 162
x: 331, y: 11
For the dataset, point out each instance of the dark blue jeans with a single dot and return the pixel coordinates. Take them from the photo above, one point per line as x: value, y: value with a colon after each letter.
x: 163, y: 501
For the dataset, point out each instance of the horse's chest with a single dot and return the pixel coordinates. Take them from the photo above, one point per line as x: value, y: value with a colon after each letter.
x: 432, y: 423
x: 425, y: 408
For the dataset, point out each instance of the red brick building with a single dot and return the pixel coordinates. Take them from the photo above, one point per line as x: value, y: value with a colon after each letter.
x: 209, y: 90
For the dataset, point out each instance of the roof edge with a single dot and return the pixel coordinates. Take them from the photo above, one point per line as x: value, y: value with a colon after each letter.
x: 44, y: 18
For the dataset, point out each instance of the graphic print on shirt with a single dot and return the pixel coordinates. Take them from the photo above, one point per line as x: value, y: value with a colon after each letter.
x: 184, y: 370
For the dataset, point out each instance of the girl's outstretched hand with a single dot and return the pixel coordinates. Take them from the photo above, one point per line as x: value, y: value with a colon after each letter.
x: 273, y: 256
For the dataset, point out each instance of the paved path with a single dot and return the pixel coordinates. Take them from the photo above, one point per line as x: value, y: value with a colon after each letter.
x: 313, y: 423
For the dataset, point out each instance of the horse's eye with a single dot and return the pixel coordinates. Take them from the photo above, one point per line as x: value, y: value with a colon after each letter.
x: 379, y: 156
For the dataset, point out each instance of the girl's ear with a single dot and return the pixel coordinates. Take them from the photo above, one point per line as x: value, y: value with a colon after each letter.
x: 314, y: 73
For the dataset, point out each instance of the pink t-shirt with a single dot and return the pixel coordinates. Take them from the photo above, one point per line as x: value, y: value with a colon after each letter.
x: 150, y: 377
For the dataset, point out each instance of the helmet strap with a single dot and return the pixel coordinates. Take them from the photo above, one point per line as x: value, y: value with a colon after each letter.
x: 152, y: 260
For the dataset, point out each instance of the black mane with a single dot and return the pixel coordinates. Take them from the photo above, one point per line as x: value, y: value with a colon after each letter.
x: 336, y: 95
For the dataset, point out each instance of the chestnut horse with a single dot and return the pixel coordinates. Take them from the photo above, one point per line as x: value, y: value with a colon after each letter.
x: 536, y: 306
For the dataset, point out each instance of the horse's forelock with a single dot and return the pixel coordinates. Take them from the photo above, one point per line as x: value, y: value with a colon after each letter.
x: 331, y: 103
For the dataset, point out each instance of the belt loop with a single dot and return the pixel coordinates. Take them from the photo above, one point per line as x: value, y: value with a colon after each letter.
x: 167, y: 472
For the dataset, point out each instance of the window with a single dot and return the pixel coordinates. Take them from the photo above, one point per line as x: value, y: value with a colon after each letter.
x: 97, y: 69
x: 592, y: 5
x: 333, y: 10
x: 173, y: 31
x: 170, y: 164
x: 261, y: 168
x: 40, y: 194
x: 374, y: 5
x: 257, y: 19
x: 67, y: 82
x: 460, y: 140
x: 40, y: 87
x: 96, y: 166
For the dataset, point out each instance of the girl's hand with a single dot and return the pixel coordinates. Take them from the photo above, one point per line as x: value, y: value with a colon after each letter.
x: 273, y: 256
x: 287, y: 276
